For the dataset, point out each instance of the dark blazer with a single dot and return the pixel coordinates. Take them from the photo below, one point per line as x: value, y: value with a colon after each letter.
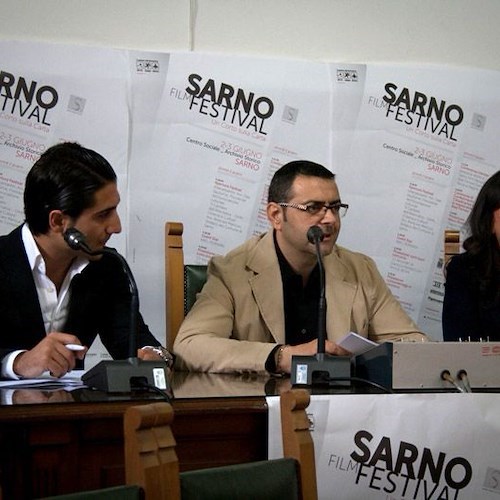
x: 99, y: 304
x: 465, y: 313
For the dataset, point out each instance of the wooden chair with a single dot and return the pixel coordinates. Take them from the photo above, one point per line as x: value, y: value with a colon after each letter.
x: 150, y: 458
x: 182, y: 282
x: 297, y: 439
x: 451, y: 246
x: 151, y: 461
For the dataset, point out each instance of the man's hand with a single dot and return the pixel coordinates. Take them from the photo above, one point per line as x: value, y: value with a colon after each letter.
x: 308, y: 349
x: 50, y: 354
x: 148, y: 355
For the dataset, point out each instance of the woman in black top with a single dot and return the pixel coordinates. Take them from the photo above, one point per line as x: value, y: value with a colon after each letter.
x: 471, y: 309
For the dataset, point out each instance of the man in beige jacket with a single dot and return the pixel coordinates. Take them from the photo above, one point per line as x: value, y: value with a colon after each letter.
x: 259, y: 306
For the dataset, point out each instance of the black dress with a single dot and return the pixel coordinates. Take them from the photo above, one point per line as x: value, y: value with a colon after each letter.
x: 469, y: 314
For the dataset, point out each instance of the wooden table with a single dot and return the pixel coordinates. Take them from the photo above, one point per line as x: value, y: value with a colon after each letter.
x: 59, y: 442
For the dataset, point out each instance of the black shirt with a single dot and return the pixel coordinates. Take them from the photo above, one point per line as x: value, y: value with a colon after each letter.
x: 300, y: 302
x: 300, y: 306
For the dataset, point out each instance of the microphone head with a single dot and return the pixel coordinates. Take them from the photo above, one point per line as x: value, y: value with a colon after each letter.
x: 76, y: 240
x: 314, y: 234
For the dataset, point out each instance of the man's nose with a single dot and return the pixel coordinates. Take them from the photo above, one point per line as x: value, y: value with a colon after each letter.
x: 116, y: 226
x: 331, y: 214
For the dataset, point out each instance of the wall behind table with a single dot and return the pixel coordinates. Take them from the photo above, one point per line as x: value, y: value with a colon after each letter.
x: 449, y: 33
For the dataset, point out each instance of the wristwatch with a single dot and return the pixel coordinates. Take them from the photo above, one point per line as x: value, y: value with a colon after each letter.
x: 162, y: 352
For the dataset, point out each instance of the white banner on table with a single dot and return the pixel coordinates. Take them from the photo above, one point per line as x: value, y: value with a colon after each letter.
x: 402, y: 446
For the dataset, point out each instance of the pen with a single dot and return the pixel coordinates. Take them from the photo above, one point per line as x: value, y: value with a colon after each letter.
x: 75, y: 347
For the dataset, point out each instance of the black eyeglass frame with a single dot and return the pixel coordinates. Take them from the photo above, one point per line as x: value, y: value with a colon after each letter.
x: 315, y: 208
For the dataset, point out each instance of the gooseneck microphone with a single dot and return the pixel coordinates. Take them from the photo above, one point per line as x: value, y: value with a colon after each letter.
x: 322, y: 368
x: 77, y: 241
x: 120, y: 375
x: 315, y: 236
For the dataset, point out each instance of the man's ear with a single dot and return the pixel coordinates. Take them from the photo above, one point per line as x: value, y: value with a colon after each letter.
x: 275, y: 215
x: 58, y: 222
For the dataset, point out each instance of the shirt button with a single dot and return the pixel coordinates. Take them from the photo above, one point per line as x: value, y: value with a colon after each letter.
x: 303, y: 331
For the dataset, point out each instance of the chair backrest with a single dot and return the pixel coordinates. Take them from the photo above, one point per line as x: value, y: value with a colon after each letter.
x: 297, y: 439
x: 451, y: 246
x: 151, y: 461
x: 195, y: 276
x: 150, y: 458
x: 182, y: 282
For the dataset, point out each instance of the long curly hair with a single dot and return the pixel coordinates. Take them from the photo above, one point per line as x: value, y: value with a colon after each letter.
x: 482, y: 244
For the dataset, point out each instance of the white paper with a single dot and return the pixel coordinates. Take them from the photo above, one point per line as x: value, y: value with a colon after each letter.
x: 71, y: 379
x: 356, y: 344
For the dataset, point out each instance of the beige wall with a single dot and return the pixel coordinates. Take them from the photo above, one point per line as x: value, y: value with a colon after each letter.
x: 456, y: 32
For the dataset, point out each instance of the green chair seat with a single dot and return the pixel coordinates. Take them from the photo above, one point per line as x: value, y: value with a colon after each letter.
x: 265, y: 480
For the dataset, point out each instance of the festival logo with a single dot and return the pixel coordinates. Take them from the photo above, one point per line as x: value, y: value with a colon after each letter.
x: 407, y: 470
x: 27, y: 100
x: 234, y: 106
x: 421, y: 112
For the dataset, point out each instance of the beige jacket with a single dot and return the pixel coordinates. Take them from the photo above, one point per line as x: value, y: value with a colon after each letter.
x: 238, y: 316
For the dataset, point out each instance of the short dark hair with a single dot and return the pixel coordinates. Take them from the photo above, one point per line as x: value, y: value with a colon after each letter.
x: 283, y: 178
x: 65, y: 178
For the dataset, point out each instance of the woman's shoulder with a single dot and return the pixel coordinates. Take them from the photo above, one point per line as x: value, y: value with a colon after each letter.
x: 461, y: 264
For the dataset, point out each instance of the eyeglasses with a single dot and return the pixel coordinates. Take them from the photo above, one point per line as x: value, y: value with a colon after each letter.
x: 316, y: 207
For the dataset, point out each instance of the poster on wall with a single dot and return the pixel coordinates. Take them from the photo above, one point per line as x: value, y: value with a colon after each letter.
x: 412, y: 147
x: 196, y: 138
x: 220, y: 129
x: 50, y: 93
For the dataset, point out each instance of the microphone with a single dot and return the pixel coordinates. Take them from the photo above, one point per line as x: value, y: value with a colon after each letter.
x: 120, y: 375
x: 75, y: 239
x: 315, y: 236
x: 322, y: 368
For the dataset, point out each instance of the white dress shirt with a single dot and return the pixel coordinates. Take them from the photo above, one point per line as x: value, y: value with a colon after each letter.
x: 54, y: 306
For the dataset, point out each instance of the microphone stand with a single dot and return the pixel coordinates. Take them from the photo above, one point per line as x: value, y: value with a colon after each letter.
x: 132, y: 373
x: 321, y: 368
x: 134, y: 299
x: 322, y: 295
